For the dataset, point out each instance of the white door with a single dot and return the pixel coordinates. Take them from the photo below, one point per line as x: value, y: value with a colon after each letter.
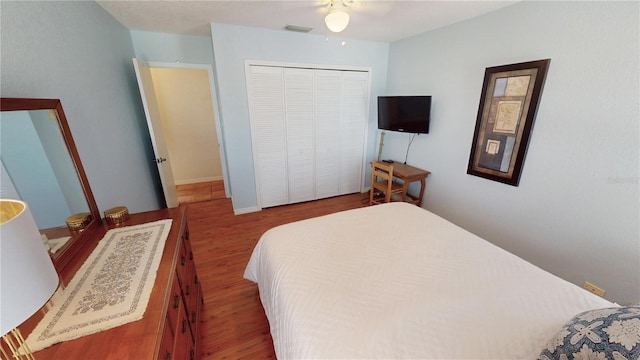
x: 355, y: 102
x: 328, y: 107
x: 150, y: 105
x: 308, y: 132
x: 267, y: 117
x: 298, y: 87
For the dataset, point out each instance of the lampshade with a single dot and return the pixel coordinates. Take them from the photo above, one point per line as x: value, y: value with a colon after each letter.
x: 27, y: 276
x: 337, y: 20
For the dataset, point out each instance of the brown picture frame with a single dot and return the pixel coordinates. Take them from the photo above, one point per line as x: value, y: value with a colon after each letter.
x: 507, y: 110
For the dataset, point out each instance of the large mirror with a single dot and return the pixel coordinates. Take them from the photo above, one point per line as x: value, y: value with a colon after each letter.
x: 40, y: 165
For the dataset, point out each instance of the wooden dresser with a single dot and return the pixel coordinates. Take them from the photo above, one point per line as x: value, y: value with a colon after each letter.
x: 170, y: 326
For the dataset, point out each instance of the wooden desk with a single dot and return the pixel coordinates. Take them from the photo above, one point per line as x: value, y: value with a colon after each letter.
x: 409, y: 174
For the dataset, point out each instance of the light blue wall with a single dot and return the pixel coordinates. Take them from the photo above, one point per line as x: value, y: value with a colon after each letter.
x: 62, y: 165
x: 31, y: 173
x: 76, y: 52
x: 163, y: 47
x: 576, y: 211
x: 233, y: 45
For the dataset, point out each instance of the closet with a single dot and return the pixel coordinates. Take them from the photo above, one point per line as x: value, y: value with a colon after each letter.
x: 308, y: 131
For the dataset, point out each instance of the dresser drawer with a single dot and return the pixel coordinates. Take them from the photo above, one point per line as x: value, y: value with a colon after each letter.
x: 184, y: 347
x: 166, y: 344
x: 181, y: 263
x: 175, y: 303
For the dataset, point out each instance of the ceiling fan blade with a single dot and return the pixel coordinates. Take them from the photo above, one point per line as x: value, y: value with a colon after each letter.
x: 370, y: 7
x: 314, y: 5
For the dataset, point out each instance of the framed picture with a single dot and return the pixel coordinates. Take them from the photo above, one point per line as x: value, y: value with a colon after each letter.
x: 508, y: 104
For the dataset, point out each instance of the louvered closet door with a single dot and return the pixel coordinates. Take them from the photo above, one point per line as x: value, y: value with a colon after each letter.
x: 298, y: 84
x: 308, y: 131
x: 355, y: 92
x: 267, y: 113
x: 328, y: 104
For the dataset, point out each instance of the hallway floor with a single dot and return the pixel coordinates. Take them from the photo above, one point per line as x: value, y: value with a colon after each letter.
x: 191, y: 193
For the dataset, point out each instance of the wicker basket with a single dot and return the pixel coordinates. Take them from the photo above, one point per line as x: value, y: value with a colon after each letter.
x: 79, y: 221
x: 116, y: 215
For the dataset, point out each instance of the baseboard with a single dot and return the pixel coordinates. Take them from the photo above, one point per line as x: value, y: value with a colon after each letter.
x: 245, y: 210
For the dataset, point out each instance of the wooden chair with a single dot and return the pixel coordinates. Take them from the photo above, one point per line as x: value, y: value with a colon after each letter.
x: 382, y: 184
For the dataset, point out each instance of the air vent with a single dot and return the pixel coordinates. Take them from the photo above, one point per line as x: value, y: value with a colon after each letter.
x: 296, y: 28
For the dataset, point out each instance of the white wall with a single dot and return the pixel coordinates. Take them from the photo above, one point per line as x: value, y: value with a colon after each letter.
x: 76, y: 52
x: 233, y: 45
x: 576, y: 211
x: 184, y: 102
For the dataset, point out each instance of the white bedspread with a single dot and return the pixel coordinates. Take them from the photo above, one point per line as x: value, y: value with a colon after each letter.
x: 396, y: 281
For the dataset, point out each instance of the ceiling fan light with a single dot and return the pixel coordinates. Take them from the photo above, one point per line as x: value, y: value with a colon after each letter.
x: 337, y: 20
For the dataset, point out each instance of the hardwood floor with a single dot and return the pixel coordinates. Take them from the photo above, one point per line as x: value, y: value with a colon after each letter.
x: 203, y: 191
x: 234, y: 325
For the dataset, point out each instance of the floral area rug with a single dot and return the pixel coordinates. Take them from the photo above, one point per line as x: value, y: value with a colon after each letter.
x: 111, y: 288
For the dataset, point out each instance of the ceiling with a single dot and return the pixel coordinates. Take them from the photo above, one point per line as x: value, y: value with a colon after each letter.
x: 375, y: 20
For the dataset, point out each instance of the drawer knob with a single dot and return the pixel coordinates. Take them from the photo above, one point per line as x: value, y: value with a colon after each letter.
x: 176, y: 301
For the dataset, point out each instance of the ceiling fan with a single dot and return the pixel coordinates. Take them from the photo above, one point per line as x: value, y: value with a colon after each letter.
x: 337, y: 19
x: 338, y: 12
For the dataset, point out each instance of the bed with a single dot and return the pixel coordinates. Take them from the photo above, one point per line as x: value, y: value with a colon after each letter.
x: 397, y: 281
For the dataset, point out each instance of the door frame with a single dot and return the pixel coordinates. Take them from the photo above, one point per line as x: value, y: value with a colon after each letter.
x: 216, y: 112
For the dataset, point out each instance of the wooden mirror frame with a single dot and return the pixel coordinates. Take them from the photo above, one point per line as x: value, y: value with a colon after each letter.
x: 71, y: 248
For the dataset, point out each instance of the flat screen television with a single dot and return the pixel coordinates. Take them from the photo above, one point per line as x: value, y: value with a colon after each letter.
x: 409, y: 114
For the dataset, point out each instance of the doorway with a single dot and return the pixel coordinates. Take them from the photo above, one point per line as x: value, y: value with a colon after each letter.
x: 192, y: 130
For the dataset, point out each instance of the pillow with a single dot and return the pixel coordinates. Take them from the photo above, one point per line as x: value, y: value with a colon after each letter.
x: 610, y: 333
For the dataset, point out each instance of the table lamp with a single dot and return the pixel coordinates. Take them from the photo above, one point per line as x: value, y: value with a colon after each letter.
x: 27, y: 276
